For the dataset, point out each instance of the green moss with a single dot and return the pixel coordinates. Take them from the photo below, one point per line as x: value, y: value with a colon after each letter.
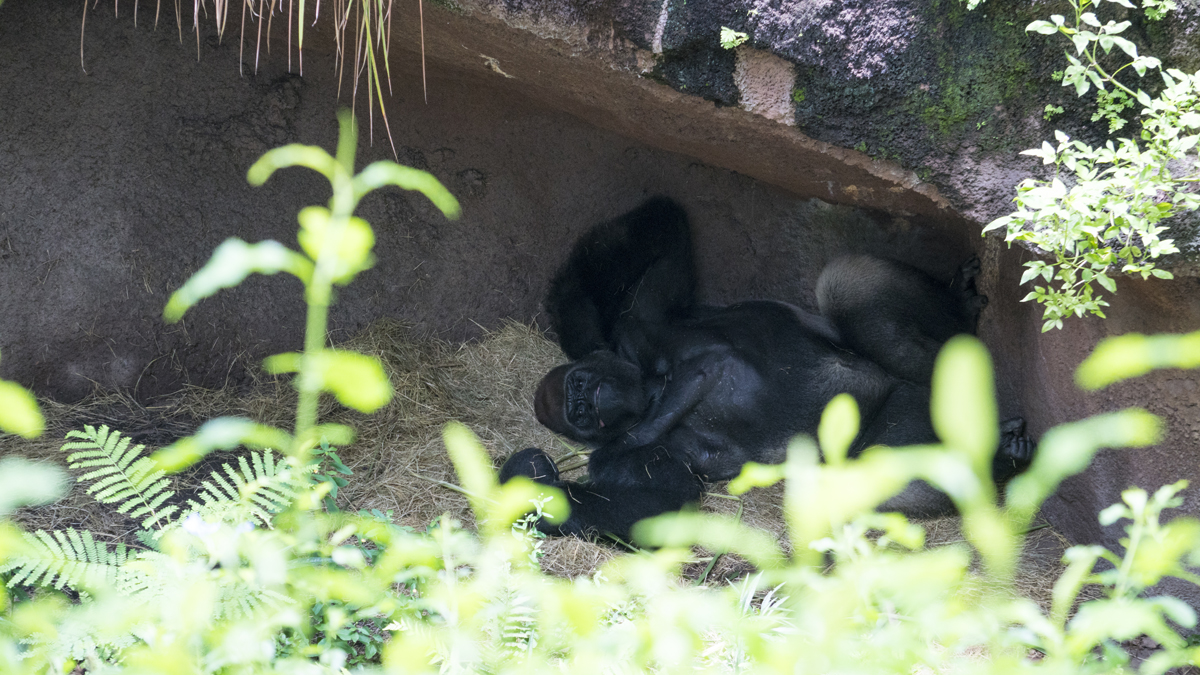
x: 974, y: 75
x: 798, y: 94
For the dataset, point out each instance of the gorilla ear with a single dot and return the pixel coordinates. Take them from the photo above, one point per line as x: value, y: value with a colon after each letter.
x: 549, y: 399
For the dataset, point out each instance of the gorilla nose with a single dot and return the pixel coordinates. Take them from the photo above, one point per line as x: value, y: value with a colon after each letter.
x: 606, y: 400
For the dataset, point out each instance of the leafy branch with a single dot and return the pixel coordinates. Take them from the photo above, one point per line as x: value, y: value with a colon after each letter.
x: 1101, y: 212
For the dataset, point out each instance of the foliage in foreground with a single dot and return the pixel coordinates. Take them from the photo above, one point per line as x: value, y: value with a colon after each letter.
x: 255, y: 577
x: 340, y: 587
x: 1102, y: 210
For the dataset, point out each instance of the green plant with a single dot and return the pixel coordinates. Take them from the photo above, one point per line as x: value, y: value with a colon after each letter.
x: 478, y: 603
x: 19, y: 413
x: 123, y: 478
x: 336, y: 247
x: 731, y: 38
x: 333, y: 472
x: 1102, y: 211
x: 222, y: 563
x: 1051, y: 111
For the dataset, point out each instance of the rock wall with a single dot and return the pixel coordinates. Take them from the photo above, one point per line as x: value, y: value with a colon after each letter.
x: 545, y: 117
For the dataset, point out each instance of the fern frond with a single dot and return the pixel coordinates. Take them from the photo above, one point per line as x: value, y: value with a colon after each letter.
x: 257, y: 489
x: 67, y: 558
x: 239, y: 601
x: 121, y: 475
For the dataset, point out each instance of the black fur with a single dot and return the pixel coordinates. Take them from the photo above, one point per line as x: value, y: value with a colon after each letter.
x: 671, y: 394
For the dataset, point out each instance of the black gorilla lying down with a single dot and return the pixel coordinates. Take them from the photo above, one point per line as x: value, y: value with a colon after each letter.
x: 670, y: 393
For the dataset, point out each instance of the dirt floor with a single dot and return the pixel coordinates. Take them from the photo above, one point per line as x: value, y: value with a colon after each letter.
x: 399, y: 462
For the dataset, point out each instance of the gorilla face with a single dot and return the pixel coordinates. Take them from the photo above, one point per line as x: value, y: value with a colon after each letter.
x: 592, y: 400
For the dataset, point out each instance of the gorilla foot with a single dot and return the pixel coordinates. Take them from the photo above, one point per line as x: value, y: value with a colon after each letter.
x: 1015, y: 452
x: 965, y: 277
x: 532, y: 463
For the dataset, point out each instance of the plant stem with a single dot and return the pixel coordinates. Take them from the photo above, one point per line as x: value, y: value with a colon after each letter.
x: 310, y: 391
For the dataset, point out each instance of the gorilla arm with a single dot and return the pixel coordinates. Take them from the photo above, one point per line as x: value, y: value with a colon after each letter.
x: 625, y: 487
x: 638, y: 265
x: 680, y: 391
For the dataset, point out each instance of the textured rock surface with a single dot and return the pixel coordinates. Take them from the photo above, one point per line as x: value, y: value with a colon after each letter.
x: 544, y: 117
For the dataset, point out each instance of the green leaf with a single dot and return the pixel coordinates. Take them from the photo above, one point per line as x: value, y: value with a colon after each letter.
x: 1080, y: 562
x: 379, y: 174
x: 357, y: 381
x: 25, y: 483
x: 1080, y: 41
x: 336, y: 434
x: 295, y: 154
x: 352, y: 249
x: 231, y: 263
x: 838, y: 428
x: 516, y: 498
x: 731, y: 38
x: 473, y: 465
x: 716, y: 533
x: 1162, y: 555
x: 496, y: 506
x: 222, y: 433
x: 963, y: 400
x: 1102, y: 620
x: 755, y: 475
x: 288, y: 362
x: 19, y: 413
x: 347, y: 146
x: 1043, y: 27
x: 1132, y: 355
x: 1126, y: 46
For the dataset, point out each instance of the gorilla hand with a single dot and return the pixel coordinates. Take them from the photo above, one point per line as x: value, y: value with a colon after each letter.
x: 1015, y: 452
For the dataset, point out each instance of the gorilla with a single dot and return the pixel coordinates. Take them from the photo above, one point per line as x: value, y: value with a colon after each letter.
x: 671, y: 393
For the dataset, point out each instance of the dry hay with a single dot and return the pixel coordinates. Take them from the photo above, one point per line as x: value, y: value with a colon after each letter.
x: 399, y: 462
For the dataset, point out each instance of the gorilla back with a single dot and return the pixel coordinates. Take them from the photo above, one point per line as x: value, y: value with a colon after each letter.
x: 671, y: 394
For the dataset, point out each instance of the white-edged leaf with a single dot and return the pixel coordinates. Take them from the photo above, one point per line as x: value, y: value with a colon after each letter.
x: 231, y: 263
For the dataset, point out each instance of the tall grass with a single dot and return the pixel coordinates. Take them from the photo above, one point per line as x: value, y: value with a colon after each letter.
x: 362, y: 31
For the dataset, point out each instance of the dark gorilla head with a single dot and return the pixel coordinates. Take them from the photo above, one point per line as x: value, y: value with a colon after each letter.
x: 592, y: 400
